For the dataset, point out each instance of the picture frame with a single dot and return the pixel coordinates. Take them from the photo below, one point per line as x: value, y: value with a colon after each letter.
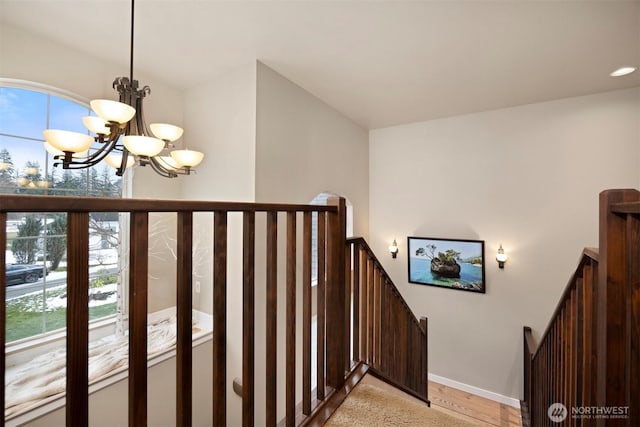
x: 447, y: 263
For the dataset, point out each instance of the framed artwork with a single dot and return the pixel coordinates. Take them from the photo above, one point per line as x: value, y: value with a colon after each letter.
x: 447, y: 263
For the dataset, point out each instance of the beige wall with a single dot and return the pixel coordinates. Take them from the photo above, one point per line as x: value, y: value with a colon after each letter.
x: 305, y: 147
x: 527, y: 177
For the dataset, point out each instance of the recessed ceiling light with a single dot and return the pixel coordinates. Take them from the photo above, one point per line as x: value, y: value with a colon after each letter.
x: 623, y: 71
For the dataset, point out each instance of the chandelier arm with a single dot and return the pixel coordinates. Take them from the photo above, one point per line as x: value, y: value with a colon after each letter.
x: 89, y: 161
x: 123, y: 163
x: 156, y: 166
x: 178, y: 171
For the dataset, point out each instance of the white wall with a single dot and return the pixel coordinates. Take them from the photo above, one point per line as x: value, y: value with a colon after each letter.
x: 305, y: 147
x: 527, y: 177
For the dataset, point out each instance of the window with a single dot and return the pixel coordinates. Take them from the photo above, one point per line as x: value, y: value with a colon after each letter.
x: 321, y: 199
x: 36, y: 288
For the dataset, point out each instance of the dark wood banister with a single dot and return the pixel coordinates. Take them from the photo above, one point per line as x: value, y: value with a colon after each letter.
x: 589, y: 354
x: 380, y: 363
x: 335, y: 282
x: 364, y: 245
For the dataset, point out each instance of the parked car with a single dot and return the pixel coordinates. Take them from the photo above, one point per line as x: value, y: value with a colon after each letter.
x: 24, y: 273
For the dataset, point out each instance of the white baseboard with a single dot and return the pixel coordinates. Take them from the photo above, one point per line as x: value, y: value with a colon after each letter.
x: 475, y: 390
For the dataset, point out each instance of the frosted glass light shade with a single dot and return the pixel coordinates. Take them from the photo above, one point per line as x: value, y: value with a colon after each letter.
x: 166, y: 131
x: 96, y: 125
x: 65, y: 140
x: 187, y: 158
x: 112, y: 111
x: 31, y: 171
x: 115, y: 160
x: 143, y: 145
x: 4, y: 166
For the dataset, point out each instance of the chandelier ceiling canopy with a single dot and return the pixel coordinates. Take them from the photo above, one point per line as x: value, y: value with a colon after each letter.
x: 122, y: 134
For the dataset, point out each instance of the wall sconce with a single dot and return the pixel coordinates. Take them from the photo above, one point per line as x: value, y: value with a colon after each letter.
x: 501, y: 257
x: 393, y: 248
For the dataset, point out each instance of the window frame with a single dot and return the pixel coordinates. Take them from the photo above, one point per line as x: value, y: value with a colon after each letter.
x: 46, y: 339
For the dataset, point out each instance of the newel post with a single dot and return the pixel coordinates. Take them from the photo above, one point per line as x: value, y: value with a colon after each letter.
x: 335, y: 295
x: 614, y: 290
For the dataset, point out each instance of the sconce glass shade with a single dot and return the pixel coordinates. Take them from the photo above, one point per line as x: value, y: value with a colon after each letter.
x: 166, y: 132
x: 96, y: 125
x: 393, y: 248
x: 187, y: 158
x: 143, y: 145
x: 42, y: 184
x: 4, y: 166
x: 31, y: 171
x: 112, y: 111
x: 501, y: 257
x: 115, y: 160
x: 65, y: 140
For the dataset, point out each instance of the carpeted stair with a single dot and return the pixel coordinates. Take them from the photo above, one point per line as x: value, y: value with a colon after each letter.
x: 371, y: 406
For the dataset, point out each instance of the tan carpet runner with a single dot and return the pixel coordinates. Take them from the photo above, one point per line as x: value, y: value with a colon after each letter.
x: 370, y: 406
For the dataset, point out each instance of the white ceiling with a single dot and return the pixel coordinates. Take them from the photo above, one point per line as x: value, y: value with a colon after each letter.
x: 379, y: 62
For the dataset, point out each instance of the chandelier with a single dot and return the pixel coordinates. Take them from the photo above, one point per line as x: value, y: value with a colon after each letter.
x: 121, y: 134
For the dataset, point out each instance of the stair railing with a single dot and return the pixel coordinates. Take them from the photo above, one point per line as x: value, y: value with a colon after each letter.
x: 586, y: 369
x: 386, y: 336
x: 331, y: 351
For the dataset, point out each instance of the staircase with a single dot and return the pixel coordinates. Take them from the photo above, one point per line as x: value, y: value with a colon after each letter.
x: 585, y: 371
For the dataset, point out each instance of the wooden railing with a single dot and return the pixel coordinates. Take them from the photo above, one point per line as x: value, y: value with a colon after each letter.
x: 386, y: 334
x: 361, y: 316
x: 588, y: 359
x: 331, y: 317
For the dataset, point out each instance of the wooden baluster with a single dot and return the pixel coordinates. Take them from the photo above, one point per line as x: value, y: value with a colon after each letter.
x: 346, y: 265
x: 586, y: 326
x: 3, y: 307
x: 306, y: 313
x: 248, y: 318
x: 370, y: 316
x: 424, y: 323
x: 272, y: 320
x: 220, y: 318
x: 77, y: 406
x: 357, y: 283
x: 290, y: 327
x: 184, y: 346
x: 579, y: 341
x: 336, y: 294
x: 321, y: 307
x: 375, y: 317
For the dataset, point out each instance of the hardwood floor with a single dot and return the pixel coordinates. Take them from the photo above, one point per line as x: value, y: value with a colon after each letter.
x: 472, y: 408
x: 463, y: 405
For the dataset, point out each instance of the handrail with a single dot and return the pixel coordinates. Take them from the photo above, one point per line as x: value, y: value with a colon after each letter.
x: 386, y: 334
x: 588, y: 255
x: 365, y: 246
x: 28, y: 203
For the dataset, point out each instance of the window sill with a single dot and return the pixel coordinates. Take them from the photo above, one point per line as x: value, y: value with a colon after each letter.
x: 202, y: 333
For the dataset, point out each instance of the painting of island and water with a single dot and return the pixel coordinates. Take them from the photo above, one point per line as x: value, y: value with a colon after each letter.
x: 448, y: 263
